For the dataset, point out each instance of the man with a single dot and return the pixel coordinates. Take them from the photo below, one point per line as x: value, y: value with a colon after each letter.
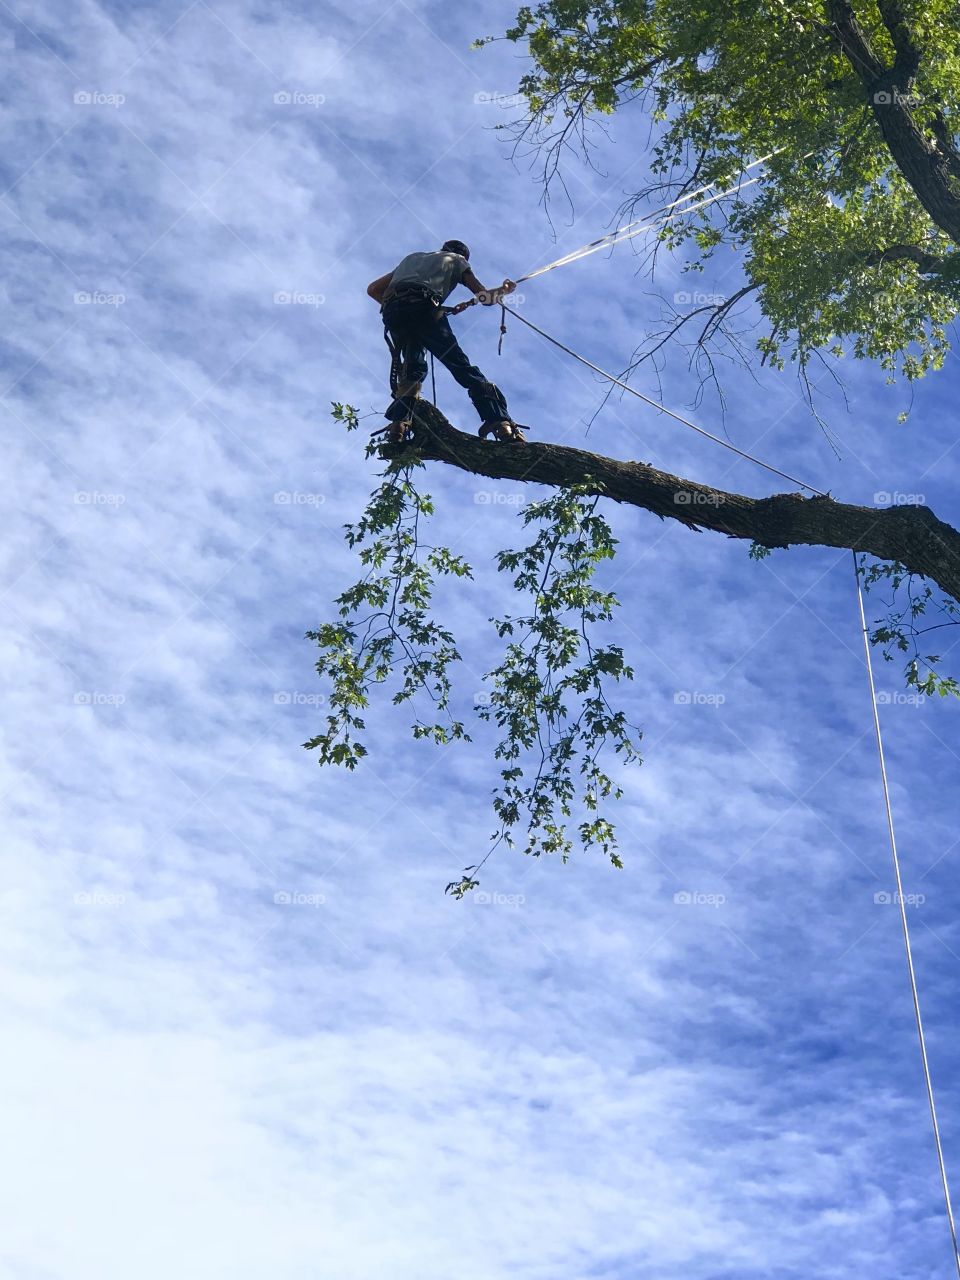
x: 411, y: 299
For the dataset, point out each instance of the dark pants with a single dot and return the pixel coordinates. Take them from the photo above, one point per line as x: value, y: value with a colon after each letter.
x: 415, y: 326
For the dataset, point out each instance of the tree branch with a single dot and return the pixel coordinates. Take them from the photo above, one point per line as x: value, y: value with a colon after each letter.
x: 907, y: 50
x: 911, y: 535
x: 927, y: 263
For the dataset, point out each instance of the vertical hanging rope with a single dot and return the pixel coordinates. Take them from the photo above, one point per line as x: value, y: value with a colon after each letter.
x: 911, y: 972
x: 433, y: 380
x: 904, y: 923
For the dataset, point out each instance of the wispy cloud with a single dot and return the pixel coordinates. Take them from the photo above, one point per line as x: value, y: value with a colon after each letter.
x: 247, y: 1033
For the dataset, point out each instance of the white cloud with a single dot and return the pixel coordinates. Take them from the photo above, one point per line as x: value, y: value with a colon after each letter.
x: 580, y: 1077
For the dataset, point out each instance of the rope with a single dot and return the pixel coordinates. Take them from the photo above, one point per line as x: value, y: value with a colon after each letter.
x: 648, y: 223
x: 905, y: 926
x: 658, y: 218
x: 928, y: 1080
x: 670, y: 412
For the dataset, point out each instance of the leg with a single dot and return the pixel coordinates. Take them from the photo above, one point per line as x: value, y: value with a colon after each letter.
x: 488, y: 400
x: 404, y: 327
x: 413, y: 370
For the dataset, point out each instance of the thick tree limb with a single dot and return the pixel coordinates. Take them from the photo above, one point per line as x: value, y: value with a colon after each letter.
x: 907, y: 50
x: 911, y: 535
x: 928, y: 264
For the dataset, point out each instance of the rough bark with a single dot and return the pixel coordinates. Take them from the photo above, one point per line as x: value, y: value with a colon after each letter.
x: 910, y: 534
x: 929, y: 165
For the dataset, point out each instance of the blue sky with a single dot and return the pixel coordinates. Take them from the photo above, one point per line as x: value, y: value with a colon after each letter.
x: 579, y: 1075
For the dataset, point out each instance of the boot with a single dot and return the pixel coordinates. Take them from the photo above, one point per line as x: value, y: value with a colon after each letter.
x: 400, y: 432
x: 395, y: 432
x: 502, y: 429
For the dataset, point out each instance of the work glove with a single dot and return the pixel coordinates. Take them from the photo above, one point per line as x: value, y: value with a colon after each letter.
x: 490, y: 297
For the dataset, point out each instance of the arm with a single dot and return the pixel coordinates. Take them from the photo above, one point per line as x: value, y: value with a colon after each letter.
x: 377, y: 288
x: 472, y: 283
x: 486, y: 296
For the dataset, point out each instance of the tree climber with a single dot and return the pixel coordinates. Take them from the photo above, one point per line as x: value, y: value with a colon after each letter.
x: 415, y: 321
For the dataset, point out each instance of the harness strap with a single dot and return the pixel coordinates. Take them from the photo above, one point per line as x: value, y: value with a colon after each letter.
x: 394, y: 362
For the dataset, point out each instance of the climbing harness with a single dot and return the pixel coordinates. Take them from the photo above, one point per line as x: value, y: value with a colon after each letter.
x: 402, y: 387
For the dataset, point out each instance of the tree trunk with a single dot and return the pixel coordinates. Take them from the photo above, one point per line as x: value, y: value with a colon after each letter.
x: 928, y: 167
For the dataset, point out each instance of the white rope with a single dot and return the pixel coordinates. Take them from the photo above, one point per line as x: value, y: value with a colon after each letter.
x: 655, y: 404
x: 928, y: 1080
x: 905, y: 926
x: 648, y: 223
x: 651, y: 220
x: 660, y: 217
x: 607, y: 242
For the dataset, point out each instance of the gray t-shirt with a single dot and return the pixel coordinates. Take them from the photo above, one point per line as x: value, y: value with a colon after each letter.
x: 440, y: 272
